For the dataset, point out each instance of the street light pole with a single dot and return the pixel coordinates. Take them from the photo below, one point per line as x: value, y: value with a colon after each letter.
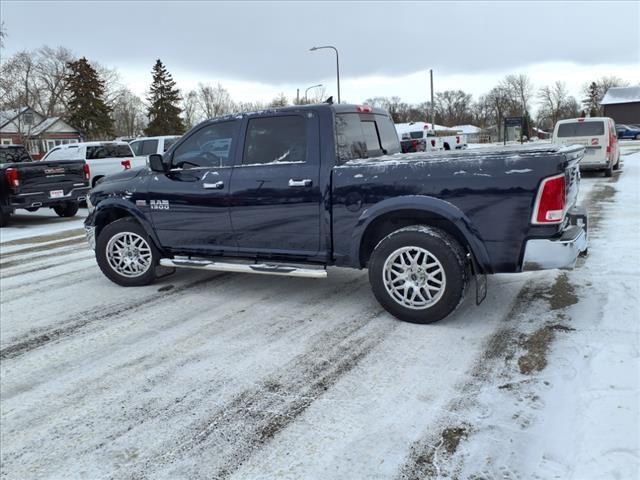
x: 337, y: 64
x: 307, y: 90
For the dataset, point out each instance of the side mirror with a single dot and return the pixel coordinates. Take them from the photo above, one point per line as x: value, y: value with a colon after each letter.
x: 156, y: 163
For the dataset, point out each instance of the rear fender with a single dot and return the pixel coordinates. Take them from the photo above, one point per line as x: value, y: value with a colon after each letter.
x: 429, y: 205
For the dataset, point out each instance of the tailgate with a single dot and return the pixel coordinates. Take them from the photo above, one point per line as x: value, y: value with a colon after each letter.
x: 52, y: 175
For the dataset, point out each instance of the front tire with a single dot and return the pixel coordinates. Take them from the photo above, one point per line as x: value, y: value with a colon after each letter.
x: 5, y: 218
x: 126, y: 254
x: 68, y: 209
x: 419, y: 274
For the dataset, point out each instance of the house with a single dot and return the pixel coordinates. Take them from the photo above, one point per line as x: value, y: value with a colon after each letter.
x: 474, y: 134
x: 622, y: 104
x: 40, y: 134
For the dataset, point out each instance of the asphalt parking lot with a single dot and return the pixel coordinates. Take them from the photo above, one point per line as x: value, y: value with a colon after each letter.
x: 220, y: 375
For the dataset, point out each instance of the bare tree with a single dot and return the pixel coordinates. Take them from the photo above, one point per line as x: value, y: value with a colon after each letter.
x: 241, y: 107
x: 190, y: 109
x: 552, y: 100
x: 214, y: 101
x: 129, y: 114
x: 520, y: 90
x: 453, y: 107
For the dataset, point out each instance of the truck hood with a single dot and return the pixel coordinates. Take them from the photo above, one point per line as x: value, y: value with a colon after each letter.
x: 125, y: 175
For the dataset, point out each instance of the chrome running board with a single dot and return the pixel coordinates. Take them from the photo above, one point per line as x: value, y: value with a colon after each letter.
x: 262, y: 268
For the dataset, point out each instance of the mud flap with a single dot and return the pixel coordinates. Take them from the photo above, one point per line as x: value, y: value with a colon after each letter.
x: 480, y: 280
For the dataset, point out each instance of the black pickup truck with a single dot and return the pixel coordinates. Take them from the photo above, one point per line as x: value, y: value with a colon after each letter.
x: 294, y: 190
x: 60, y: 185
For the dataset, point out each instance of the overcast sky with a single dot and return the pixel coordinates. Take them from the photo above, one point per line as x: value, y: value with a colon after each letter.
x: 258, y: 49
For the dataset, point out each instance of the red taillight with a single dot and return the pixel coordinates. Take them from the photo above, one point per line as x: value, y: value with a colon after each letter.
x: 433, y: 143
x: 457, y: 139
x: 126, y: 164
x: 364, y: 109
x: 87, y: 172
x: 551, y: 201
x: 12, y: 176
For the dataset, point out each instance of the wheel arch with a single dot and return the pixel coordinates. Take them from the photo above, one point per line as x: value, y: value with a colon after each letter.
x: 388, y: 216
x: 108, y: 211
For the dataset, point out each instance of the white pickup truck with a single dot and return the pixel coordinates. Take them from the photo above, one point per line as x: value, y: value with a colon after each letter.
x: 103, y: 158
x: 422, y: 136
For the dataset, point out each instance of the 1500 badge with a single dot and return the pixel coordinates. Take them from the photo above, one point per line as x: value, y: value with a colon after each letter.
x: 159, y: 204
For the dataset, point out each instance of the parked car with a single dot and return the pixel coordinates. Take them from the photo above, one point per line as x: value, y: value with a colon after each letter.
x: 597, y: 135
x: 301, y: 188
x: 26, y: 184
x: 145, y: 146
x: 628, y: 132
x: 421, y: 136
x: 103, y: 158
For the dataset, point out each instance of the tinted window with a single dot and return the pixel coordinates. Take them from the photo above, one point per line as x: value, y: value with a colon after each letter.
x: 349, y: 137
x: 370, y: 136
x: 580, y: 129
x: 388, y: 135
x: 108, y: 151
x: 169, y: 141
x: 275, y: 140
x: 149, y: 147
x: 14, y: 155
x: 208, y: 147
x: 136, y: 147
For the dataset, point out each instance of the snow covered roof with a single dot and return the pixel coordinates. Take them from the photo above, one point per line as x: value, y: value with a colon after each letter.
x: 44, y: 125
x: 621, y: 95
x: 467, y: 129
x: 7, y: 115
x: 413, y: 126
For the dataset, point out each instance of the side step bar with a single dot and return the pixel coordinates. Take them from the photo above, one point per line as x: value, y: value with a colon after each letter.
x: 262, y: 268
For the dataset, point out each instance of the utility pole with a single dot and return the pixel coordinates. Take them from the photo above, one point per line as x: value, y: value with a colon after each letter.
x: 297, y: 96
x: 433, y: 114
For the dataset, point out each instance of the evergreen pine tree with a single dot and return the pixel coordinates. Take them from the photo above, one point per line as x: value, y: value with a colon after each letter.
x: 164, y: 98
x: 87, y: 110
x: 592, y: 102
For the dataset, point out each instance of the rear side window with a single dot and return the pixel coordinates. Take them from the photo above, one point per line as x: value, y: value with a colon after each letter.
x: 275, y: 140
x: 580, y: 129
x: 149, y: 147
x: 416, y: 135
x: 363, y: 138
x: 208, y: 147
x: 136, y: 147
x: 97, y: 152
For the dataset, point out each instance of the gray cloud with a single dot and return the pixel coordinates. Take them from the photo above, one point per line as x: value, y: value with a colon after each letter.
x: 269, y: 42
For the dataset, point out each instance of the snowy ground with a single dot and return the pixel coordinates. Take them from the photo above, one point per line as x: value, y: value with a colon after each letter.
x: 207, y: 375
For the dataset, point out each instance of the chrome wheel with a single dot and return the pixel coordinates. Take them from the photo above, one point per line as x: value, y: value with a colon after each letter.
x: 129, y: 254
x: 414, y: 277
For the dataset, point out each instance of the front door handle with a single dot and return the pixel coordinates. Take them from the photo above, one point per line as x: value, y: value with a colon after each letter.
x: 300, y: 183
x: 217, y: 185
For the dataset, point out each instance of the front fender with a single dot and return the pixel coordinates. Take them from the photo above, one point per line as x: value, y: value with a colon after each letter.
x: 430, y: 205
x: 105, y: 209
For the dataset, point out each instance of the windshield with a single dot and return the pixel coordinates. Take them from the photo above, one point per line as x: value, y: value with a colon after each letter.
x: 14, y: 155
x: 580, y: 129
x: 108, y: 151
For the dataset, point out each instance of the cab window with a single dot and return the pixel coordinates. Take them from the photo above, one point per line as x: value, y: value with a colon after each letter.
x: 275, y: 140
x: 211, y: 146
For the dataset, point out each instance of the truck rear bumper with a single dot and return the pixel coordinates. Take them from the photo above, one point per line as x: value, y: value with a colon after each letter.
x: 43, y: 199
x: 558, y: 252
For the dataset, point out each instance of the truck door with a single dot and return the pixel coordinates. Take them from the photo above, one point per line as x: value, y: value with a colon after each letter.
x: 189, y: 204
x: 275, y: 196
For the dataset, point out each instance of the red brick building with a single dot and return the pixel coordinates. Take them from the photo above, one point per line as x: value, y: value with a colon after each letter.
x: 39, y: 133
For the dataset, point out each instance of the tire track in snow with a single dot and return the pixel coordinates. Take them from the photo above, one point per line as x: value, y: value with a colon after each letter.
x: 79, y: 321
x: 239, y: 428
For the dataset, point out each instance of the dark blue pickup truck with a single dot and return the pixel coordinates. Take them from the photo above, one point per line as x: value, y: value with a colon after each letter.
x: 294, y: 190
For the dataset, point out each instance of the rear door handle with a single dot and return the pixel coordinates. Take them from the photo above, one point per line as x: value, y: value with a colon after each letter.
x: 300, y: 183
x: 217, y: 185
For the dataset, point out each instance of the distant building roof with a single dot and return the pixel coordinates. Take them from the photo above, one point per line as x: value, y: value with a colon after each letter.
x: 467, y: 129
x: 406, y: 127
x: 621, y: 95
x: 7, y: 115
x: 44, y: 125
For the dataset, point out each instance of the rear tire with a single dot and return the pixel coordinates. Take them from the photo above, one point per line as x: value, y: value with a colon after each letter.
x: 5, y: 218
x: 617, y: 165
x: 126, y: 254
x: 609, y: 172
x: 419, y: 274
x: 68, y: 209
x: 32, y: 209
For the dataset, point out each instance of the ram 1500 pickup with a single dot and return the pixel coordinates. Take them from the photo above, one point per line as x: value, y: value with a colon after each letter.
x: 294, y: 190
x: 59, y: 185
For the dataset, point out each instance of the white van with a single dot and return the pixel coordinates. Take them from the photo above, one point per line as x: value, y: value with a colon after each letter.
x: 598, y: 135
x: 145, y: 146
x: 103, y: 158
